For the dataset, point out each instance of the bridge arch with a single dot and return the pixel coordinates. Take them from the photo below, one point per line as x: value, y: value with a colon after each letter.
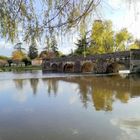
x: 87, y: 67
x: 54, y: 67
x: 115, y: 67
x: 68, y: 67
x: 46, y: 65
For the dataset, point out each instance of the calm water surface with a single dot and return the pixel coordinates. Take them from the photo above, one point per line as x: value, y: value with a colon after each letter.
x: 36, y: 106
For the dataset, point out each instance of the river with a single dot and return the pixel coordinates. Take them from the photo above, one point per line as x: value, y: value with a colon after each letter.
x: 37, y: 106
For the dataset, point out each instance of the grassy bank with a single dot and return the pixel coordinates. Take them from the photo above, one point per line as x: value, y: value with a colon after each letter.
x: 20, y: 68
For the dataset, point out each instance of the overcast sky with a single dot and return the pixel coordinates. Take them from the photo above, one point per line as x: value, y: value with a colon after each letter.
x: 121, y: 14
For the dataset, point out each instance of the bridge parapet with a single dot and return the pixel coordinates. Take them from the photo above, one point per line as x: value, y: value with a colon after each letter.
x: 135, y: 61
x: 99, y: 62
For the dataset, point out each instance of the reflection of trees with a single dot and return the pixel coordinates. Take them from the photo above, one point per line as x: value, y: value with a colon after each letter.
x: 109, y: 89
x: 19, y: 83
x: 34, y: 83
x: 104, y: 91
x: 123, y: 97
x: 102, y: 99
x: 84, y: 89
x: 52, y: 85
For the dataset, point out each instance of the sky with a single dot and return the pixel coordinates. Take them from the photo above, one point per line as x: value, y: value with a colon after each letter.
x: 121, y: 14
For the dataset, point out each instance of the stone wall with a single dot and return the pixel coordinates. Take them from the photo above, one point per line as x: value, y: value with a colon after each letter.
x: 99, y: 63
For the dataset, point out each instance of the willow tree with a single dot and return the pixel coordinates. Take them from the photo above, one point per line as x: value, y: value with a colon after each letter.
x: 42, y: 17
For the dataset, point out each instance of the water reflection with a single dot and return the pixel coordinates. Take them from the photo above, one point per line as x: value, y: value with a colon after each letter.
x: 19, y: 83
x: 101, y: 91
x: 34, y: 84
x: 130, y: 127
x: 104, y: 91
x: 66, y: 108
x: 52, y: 85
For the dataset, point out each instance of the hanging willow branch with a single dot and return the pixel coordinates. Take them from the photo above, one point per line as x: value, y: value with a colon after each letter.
x: 39, y: 17
x: 54, y: 14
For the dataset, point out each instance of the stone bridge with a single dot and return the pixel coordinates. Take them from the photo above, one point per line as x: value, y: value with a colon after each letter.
x: 98, y: 63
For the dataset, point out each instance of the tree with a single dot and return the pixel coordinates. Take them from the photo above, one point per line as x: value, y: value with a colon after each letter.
x: 82, y: 45
x: 52, y: 15
x: 18, y: 55
x: 26, y: 61
x: 9, y: 61
x: 121, y: 40
x: 33, y: 52
x: 19, y: 47
x: 19, y: 52
x: 137, y: 42
x: 51, y: 49
x: 53, y: 45
x: 135, y: 45
x: 102, y: 37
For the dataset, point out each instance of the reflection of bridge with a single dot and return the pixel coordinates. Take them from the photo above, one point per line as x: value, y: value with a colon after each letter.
x: 99, y: 63
x: 104, y: 95
x: 101, y: 91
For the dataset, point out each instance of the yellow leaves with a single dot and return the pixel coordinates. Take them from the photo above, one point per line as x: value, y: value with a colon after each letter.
x: 18, y: 55
x: 102, y: 35
x: 121, y: 38
x: 134, y: 46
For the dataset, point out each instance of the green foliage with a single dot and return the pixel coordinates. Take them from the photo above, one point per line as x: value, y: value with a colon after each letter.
x: 26, y: 61
x: 33, y: 52
x: 53, y: 45
x: 19, y: 47
x: 19, y: 52
x: 18, y: 55
x: 82, y: 45
x: 39, y: 18
x: 102, y: 37
x: 51, y: 49
x: 135, y: 45
x: 121, y: 39
x: 104, y: 40
x: 4, y: 58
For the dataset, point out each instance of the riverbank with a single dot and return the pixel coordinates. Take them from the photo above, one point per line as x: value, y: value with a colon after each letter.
x: 20, y: 68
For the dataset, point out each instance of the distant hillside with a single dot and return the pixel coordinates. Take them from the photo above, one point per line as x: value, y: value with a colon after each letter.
x: 4, y: 58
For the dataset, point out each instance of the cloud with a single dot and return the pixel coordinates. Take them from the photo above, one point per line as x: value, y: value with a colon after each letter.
x: 130, y: 127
